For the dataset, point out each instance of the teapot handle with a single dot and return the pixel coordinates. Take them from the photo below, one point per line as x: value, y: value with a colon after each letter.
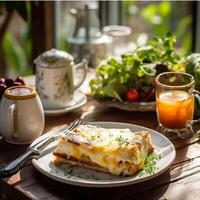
x: 82, y: 65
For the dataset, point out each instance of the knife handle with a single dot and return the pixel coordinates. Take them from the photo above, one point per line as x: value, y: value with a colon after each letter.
x: 13, y: 167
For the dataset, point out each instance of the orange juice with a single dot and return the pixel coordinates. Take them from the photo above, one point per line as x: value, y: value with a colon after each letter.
x: 174, y: 109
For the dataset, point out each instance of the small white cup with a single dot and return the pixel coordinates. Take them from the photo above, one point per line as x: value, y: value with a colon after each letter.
x: 21, y: 115
x: 55, y: 78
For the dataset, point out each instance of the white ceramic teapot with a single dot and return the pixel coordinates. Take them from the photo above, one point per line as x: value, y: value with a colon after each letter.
x: 55, y: 82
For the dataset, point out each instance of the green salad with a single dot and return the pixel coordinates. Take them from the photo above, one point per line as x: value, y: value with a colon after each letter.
x: 132, y: 77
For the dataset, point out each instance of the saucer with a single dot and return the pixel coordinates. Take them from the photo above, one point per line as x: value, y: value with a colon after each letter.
x: 79, y: 100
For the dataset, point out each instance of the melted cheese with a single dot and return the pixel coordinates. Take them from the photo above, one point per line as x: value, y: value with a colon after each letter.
x: 118, y: 150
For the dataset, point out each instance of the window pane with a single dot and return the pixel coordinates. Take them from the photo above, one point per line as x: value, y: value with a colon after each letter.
x: 149, y: 19
x: 146, y: 19
x: 69, y: 24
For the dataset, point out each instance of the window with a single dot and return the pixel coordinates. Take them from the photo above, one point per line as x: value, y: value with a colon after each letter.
x: 38, y: 26
x: 149, y: 19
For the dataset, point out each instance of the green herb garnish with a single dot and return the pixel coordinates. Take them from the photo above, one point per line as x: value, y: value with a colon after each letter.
x: 96, y: 136
x: 122, y: 140
x: 150, y: 164
x: 68, y: 172
x: 93, y: 137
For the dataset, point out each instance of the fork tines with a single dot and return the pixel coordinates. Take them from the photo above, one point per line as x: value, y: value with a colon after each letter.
x: 73, y: 125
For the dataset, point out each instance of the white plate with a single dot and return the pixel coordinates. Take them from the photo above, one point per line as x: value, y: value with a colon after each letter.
x: 91, y: 178
x: 79, y: 100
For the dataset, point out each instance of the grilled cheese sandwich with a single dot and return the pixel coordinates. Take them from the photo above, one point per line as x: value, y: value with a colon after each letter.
x: 117, y: 151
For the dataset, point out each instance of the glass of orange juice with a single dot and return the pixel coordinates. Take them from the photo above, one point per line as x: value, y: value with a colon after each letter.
x: 175, y: 104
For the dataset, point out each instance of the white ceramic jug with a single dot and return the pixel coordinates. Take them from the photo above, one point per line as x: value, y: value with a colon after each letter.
x: 21, y: 115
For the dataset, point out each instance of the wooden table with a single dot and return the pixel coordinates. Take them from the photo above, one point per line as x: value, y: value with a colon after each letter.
x: 181, y: 181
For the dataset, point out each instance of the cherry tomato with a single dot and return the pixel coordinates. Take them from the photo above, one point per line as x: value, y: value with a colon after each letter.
x: 132, y: 95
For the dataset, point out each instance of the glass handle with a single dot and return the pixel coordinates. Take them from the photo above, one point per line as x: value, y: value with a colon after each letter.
x: 197, y: 103
x: 195, y: 121
x: 196, y: 92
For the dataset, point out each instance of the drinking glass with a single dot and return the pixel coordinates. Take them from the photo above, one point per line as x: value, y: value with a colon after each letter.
x: 175, y: 104
x: 120, y: 36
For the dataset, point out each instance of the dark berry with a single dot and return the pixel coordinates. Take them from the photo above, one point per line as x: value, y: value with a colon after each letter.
x: 9, y: 82
x: 2, y: 89
x: 20, y: 79
x: 17, y: 83
x: 2, y: 80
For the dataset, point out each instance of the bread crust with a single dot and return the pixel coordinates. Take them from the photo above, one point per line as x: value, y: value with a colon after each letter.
x: 61, y: 158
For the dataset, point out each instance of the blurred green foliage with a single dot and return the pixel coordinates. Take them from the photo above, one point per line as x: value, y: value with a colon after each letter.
x: 158, y: 17
x: 18, y: 54
x: 162, y: 17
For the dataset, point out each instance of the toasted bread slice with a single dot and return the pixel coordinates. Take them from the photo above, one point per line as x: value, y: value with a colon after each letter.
x: 117, y: 151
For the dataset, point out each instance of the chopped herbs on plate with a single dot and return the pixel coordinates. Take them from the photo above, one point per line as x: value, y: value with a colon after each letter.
x: 122, y: 141
x: 150, y: 164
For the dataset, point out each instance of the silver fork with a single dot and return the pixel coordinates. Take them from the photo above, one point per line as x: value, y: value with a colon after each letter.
x: 35, y: 149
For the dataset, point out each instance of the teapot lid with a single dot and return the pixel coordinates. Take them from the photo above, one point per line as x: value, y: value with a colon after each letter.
x: 53, y: 58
